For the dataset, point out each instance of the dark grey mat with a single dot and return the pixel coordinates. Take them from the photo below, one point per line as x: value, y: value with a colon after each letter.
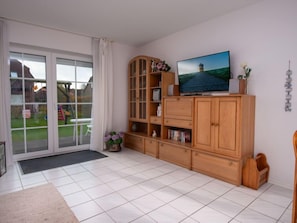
x: 45, y: 163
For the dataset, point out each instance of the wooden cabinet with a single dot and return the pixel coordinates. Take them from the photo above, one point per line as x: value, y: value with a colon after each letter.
x: 213, y: 135
x: 138, y: 96
x: 225, y: 125
x: 223, y: 135
x: 177, y: 154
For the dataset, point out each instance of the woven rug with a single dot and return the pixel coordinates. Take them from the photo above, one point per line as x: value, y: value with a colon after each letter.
x: 35, y: 205
x: 49, y: 162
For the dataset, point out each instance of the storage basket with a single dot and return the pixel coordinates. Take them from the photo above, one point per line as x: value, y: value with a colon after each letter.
x: 255, y: 172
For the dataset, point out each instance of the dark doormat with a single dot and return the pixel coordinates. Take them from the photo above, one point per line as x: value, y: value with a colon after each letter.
x: 45, y: 163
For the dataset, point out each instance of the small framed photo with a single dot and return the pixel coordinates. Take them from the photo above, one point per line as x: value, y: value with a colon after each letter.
x: 157, y: 94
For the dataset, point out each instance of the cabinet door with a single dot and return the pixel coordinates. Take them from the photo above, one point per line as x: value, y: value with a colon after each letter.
x: 138, y: 84
x: 151, y: 147
x: 133, y: 92
x: 178, y: 108
x: 134, y: 142
x: 142, y: 89
x: 204, y: 125
x: 217, y: 125
x: 227, y: 132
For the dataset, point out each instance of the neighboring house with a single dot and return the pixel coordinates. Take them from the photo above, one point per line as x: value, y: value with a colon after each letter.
x: 16, y: 71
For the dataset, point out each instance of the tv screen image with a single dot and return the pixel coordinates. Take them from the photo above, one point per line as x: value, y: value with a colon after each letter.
x: 209, y: 73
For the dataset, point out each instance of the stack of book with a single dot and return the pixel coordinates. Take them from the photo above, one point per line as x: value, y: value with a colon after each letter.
x: 180, y: 135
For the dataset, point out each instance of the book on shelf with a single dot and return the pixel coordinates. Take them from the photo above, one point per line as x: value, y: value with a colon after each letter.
x: 180, y: 135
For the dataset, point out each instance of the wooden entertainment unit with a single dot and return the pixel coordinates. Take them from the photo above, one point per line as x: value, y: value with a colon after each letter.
x: 213, y: 135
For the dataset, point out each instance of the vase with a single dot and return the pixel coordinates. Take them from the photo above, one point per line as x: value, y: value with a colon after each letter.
x: 243, y: 86
x: 114, y: 147
x: 134, y: 127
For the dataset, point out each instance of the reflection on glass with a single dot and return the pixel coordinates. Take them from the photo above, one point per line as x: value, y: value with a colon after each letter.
x: 65, y: 70
x: 65, y: 113
x: 66, y: 136
x: 18, y: 143
x: 84, y: 71
x: 65, y: 92
x: 84, y: 110
x: 36, y: 115
x: 16, y: 117
x: 37, y: 139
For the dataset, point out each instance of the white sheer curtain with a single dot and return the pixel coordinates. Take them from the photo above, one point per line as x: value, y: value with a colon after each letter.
x: 102, y: 92
x: 5, y: 91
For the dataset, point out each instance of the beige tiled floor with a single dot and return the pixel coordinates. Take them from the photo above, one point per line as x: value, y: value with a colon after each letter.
x: 131, y: 187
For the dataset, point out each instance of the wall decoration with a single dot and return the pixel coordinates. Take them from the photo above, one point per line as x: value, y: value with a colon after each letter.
x: 288, y: 88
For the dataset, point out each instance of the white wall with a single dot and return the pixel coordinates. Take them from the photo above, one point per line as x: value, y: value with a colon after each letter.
x: 121, y: 56
x: 263, y: 35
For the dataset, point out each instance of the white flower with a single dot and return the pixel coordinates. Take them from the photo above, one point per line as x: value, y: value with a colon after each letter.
x: 247, y: 70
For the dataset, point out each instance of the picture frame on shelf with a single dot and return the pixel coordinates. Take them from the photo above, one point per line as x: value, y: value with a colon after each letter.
x: 157, y: 94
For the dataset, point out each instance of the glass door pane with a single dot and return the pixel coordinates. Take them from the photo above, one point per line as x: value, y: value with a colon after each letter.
x: 29, y: 126
x: 74, y: 97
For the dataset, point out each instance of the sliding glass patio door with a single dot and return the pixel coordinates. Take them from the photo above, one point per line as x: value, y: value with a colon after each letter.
x: 29, y: 103
x: 51, y: 101
x: 74, y: 102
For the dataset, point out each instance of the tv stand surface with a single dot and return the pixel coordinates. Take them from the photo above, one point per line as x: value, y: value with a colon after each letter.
x: 209, y: 93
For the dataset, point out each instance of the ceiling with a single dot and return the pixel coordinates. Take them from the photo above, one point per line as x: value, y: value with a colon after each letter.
x: 132, y: 22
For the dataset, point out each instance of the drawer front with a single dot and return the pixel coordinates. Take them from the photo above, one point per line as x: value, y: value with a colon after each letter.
x: 224, y: 169
x: 178, y: 123
x: 155, y: 120
x: 178, y: 155
x: 151, y: 147
x: 179, y: 108
x: 134, y: 142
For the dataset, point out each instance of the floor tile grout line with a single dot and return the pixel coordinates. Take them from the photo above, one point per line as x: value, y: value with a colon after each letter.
x: 130, y: 160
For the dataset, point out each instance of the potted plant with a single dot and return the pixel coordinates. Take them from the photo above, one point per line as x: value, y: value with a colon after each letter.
x: 113, y: 141
x: 239, y: 85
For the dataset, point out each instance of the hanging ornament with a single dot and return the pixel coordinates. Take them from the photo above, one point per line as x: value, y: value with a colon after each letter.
x: 288, y: 89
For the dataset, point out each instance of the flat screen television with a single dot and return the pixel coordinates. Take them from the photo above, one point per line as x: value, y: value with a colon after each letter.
x: 204, y: 74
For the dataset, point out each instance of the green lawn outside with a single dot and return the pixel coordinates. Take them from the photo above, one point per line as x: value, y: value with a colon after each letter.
x: 40, y: 132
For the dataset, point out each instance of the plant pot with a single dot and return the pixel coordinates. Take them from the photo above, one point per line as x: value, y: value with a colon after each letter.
x: 114, y: 147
